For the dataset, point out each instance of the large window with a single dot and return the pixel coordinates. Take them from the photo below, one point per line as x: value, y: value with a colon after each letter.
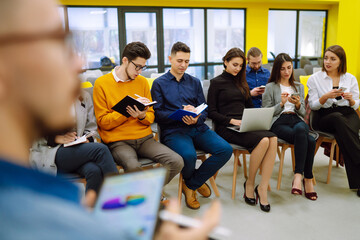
x: 300, y: 33
x: 281, y: 33
x: 143, y: 31
x: 311, y: 33
x: 208, y: 32
x: 95, y: 33
x: 225, y: 30
x: 185, y: 25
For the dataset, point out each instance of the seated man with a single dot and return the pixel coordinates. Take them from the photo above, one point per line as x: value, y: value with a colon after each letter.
x: 175, y: 90
x: 130, y: 137
x: 256, y: 75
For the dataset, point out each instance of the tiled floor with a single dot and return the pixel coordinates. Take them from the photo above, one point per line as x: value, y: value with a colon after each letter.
x: 335, y: 215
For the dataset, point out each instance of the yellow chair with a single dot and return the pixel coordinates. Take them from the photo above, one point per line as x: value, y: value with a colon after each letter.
x: 303, y: 81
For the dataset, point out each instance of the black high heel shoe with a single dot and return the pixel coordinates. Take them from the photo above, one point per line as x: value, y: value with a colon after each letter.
x: 265, y: 208
x: 250, y: 201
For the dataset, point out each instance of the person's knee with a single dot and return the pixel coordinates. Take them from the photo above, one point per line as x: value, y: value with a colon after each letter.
x: 227, y: 150
x: 301, y: 128
x: 311, y: 141
x: 176, y: 162
x: 265, y: 142
x: 93, y: 173
x: 336, y: 118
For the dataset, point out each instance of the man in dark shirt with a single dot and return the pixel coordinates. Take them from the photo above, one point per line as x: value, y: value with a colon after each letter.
x: 176, y: 90
x: 256, y: 75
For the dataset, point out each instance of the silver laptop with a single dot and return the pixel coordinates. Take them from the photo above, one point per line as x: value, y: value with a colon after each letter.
x: 255, y: 119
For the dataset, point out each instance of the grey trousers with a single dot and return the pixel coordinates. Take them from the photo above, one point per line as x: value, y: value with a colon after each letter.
x: 127, y: 152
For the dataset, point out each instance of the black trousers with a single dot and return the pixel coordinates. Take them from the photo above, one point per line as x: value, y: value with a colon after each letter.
x: 292, y: 129
x: 344, y: 123
x: 90, y: 160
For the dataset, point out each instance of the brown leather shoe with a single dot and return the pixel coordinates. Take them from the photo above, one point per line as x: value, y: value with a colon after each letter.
x: 190, y: 197
x: 204, y: 190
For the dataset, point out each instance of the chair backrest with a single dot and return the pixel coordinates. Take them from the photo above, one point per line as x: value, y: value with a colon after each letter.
x: 205, y: 86
x: 268, y: 66
x: 308, y: 69
x: 156, y: 75
x: 313, y: 119
x: 299, y: 72
x: 304, y: 61
x: 317, y: 69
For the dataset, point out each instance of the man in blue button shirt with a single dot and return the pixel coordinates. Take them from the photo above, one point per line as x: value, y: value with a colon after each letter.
x: 256, y: 76
x: 179, y: 90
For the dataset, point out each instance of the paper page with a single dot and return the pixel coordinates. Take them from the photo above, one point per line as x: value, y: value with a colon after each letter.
x: 77, y: 141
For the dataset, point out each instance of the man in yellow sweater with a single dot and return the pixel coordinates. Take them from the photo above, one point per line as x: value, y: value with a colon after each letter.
x: 130, y: 137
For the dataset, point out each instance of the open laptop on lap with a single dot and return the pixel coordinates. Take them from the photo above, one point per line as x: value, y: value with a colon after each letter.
x: 255, y: 119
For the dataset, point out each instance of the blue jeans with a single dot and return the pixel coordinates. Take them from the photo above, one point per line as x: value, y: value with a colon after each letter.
x: 186, y: 143
x: 292, y: 129
x: 91, y: 160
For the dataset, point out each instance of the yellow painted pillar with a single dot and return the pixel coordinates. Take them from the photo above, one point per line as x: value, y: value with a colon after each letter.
x: 348, y: 34
x: 257, y: 28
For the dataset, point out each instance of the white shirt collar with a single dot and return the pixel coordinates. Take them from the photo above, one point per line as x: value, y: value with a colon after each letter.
x: 117, y: 79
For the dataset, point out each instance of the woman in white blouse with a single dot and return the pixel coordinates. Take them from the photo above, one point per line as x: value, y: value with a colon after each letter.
x: 334, y: 95
x: 287, y: 97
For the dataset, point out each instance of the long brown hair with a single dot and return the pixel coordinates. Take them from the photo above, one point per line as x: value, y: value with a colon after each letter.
x: 338, y: 51
x: 240, y: 78
x: 275, y: 73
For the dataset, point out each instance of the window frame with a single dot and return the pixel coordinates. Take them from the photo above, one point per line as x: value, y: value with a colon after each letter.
x: 297, y: 59
x: 121, y: 10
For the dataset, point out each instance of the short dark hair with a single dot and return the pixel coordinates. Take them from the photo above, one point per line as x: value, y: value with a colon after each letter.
x: 254, y: 52
x: 179, y: 47
x: 136, y: 49
x: 340, y: 52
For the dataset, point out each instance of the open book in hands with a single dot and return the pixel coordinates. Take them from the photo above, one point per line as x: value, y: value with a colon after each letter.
x: 180, y: 113
x: 80, y: 139
x: 121, y: 106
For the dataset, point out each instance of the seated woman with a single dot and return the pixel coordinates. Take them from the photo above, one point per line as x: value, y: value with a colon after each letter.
x: 228, y: 96
x: 334, y: 95
x: 287, y: 96
x: 90, y: 160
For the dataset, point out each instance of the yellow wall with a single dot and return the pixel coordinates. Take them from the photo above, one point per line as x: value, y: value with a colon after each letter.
x: 343, y: 19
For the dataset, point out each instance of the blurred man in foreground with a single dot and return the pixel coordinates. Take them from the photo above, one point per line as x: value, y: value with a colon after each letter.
x: 37, y: 88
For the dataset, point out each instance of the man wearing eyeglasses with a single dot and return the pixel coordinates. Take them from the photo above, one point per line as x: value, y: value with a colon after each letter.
x: 130, y: 137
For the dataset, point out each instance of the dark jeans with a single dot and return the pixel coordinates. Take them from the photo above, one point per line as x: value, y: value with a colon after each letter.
x: 186, y: 143
x: 90, y: 160
x: 292, y: 129
x: 344, y: 123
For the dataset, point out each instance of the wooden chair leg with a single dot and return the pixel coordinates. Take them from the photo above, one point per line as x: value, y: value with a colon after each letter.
x: 213, y: 185
x: 318, y: 143
x: 293, y: 157
x: 278, y: 152
x: 281, y: 166
x: 330, y: 161
x: 337, y: 155
x: 238, y: 163
x: 180, y: 189
x: 234, y: 179
x: 215, y: 175
x: 245, y: 167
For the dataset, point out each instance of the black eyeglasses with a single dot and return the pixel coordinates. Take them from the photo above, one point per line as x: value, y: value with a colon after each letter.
x: 139, y: 67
